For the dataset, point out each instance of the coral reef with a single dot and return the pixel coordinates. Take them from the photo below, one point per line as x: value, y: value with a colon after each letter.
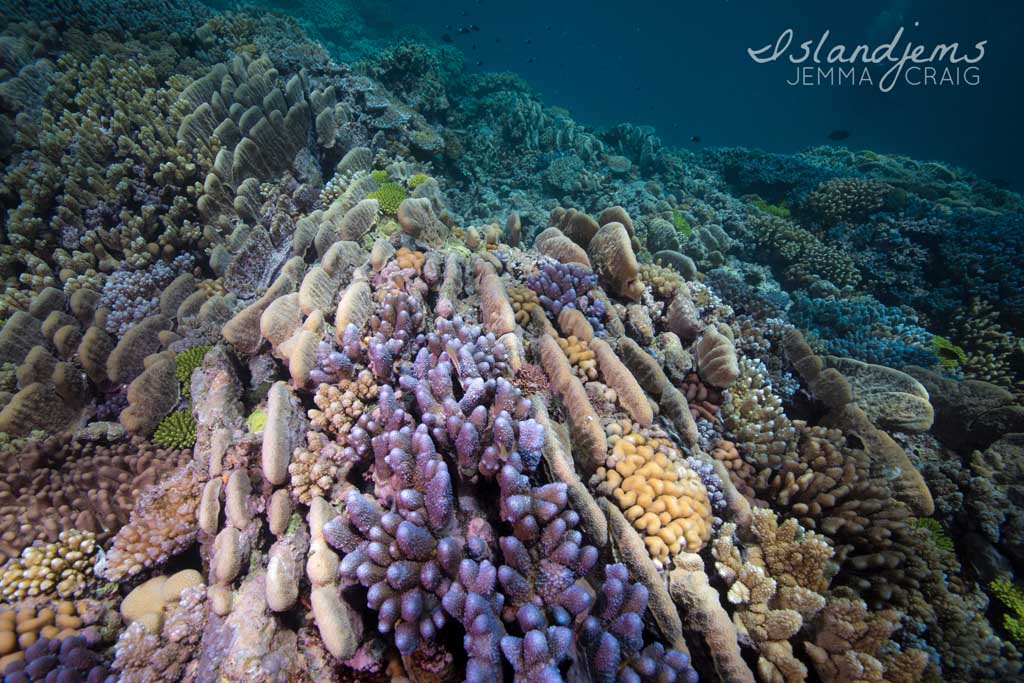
x: 307, y: 374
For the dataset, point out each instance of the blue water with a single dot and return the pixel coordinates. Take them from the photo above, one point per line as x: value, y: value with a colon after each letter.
x: 683, y: 68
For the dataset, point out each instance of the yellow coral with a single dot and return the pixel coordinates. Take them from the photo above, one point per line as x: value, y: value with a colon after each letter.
x: 64, y: 568
x: 662, y: 498
x: 523, y: 300
x: 408, y: 258
x: 581, y: 356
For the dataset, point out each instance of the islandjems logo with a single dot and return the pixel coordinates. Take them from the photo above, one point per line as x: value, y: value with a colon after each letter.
x: 885, y: 65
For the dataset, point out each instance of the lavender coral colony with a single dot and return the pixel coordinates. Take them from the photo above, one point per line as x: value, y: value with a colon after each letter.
x: 305, y: 379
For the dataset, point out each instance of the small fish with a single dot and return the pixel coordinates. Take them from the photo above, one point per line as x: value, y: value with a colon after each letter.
x: 479, y: 62
x: 448, y: 27
x: 447, y: 38
x: 528, y: 41
x: 474, y: 46
x: 839, y: 134
x: 465, y: 13
x: 463, y: 30
x: 531, y: 60
x: 694, y: 138
x: 497, y: 40
x: 474, y: 28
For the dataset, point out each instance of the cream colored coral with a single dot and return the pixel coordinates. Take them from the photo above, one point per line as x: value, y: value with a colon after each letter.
x: 580, y: 356
x: 660, y: 496
x: 338, y: 406
x: 664, y: 282
x: 775, y: 585
x: 316, y: 469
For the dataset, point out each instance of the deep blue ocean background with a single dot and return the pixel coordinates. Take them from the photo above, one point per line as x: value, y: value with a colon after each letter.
x: 682, y: 67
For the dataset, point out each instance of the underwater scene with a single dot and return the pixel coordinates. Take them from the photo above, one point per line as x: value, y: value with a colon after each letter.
x: 596, y: 342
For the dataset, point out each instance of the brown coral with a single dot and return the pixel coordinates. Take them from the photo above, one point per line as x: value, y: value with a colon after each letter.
x: 162, y: 524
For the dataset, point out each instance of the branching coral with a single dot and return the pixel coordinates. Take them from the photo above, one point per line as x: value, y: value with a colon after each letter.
x: 559, y: 285
x: 187, y: 361
x: 177, y: 431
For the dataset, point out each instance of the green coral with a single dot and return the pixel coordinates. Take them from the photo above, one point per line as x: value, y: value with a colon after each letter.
x: 187, y: 361
x: 390, y: 195
x: 177, y: 430
x: 940, y: 537
x: 773, y: 209
x: 380, y: 176
x: 1012, y: 598
x: 417, y: 180
x: 257, y: 421
x: 950, y: 355
x: 681, y: 224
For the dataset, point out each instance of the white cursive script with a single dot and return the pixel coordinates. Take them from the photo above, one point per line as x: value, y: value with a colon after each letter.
x: 890, y: 53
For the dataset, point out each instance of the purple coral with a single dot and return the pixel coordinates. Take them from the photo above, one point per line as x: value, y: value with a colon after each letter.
x: 331, y: 364
x: 131, y: 295
x: 561, y: 285
x: 488, y: 427
x: 422, y: 563
x: 473, y: 352
x: 473, y: 600
x: 712, y: 482
x: 611, y: 637
x: 408, y: 555
x: 73, y: 658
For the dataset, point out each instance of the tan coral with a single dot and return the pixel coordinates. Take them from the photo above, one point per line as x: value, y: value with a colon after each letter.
x: 524, y: 301
x: 658, y: 493
x: 891, y: 399
x: 586, y: 428
x: 495, y: 310
x: 706, y: 620
x: 716, y: 359
x: 617, y: 376
x: 554, y: 244
x: 614, y: 261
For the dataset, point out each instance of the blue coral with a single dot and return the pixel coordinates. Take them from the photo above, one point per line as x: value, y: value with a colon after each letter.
x: 865, y: 329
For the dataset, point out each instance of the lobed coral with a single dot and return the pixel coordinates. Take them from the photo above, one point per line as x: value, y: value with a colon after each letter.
x: 657, y: 490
